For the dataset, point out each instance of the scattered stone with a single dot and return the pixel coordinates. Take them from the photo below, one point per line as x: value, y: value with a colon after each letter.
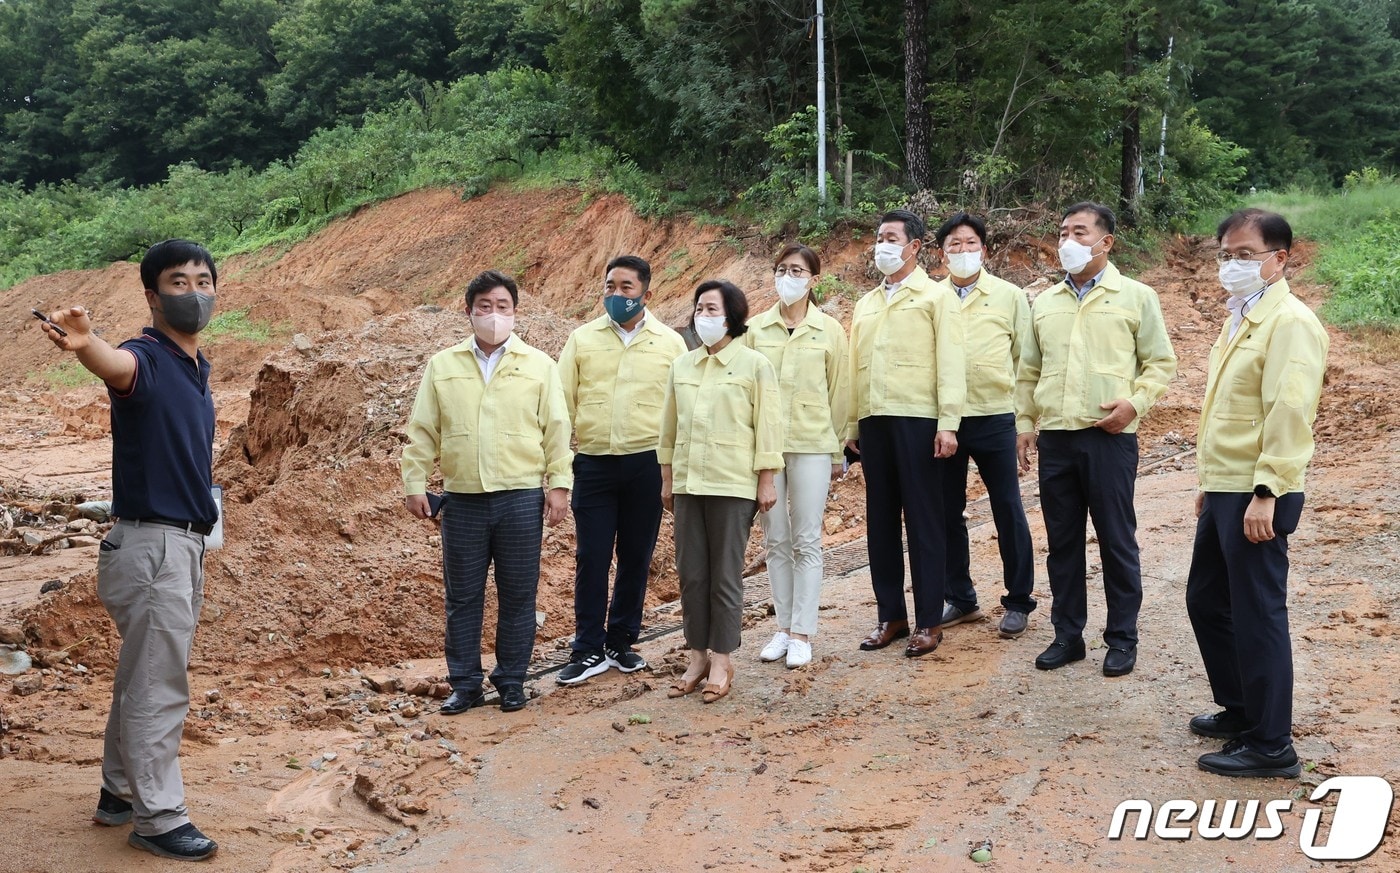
x: 27, y: 684
x: 382, y: 682
x: 302, y: 343
x: 408, y: 710
x: 11, y: 635
x: 410, y: 805
x: 619, y: 726
x: 51, y: 585
x: 442, y: 691
x: 592, y: 803
x: 82, y: 542
x: 539, y: 620
x: 418, y: 686
x: 48, y: 658
x: 213, y: 696
x: 96, y: 510
x: 13, y: 662
x: 33, y: 538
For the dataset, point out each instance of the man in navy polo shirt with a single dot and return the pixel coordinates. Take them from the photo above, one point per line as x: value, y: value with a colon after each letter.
x: 150, y: 573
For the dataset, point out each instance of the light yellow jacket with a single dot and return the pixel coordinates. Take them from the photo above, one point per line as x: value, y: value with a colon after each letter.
x: 722, y: 423
x: 1261, y: 397
x: 812, y: 377
x: 907, y: 355
x: 1079, y: 355
x: 615, y: 392
x: 510, y: 433
x: 996, y: 316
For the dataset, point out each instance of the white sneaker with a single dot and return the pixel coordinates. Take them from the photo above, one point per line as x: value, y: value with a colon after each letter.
x: 799, y: 653
x: 776, y: 648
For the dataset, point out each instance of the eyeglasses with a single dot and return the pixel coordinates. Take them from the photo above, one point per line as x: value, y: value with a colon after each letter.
x: 1223, y: 257
x: 794, y: 272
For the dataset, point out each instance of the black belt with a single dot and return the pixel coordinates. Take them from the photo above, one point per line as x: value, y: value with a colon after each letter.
x: 191, y: 526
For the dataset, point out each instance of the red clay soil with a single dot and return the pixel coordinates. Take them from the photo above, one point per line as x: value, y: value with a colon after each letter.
x: 324, y: 574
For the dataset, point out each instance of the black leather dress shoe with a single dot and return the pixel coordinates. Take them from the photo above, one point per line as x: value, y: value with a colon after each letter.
x: 1223, y: 725
x: 512, y: 698
x: 185, y: 843
x: 1119, y: 662
x: 1060, y: 653
x: 460, y: 701
x: 1238, y: 758
x: 885, y: 633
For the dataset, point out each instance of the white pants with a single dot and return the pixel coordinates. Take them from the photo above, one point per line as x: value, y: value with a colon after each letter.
x: 793, y: 533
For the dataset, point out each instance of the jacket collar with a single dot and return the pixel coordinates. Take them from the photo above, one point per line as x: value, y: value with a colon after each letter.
x: 773, y: 315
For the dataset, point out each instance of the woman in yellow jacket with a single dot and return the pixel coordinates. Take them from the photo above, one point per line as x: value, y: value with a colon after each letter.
x: 808, y: 351
x: 721, y: 444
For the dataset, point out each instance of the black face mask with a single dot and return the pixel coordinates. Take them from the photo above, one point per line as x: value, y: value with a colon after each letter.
x: 187, y: 313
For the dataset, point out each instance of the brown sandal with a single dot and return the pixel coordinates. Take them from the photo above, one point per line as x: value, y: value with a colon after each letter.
x: 681, y: 687
x: 714, y: 692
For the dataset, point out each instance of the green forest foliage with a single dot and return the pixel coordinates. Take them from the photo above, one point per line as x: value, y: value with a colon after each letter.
x: 248, y: 122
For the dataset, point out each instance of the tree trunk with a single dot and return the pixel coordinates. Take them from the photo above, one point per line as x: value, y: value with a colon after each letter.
x: 918, y: 134
x: 1130, y: 180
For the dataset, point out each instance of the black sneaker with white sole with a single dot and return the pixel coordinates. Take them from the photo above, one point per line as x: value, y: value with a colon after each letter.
x: 112, y: 811
x: 625, y: 660
x: 584, y: 666
x: 185, y: 843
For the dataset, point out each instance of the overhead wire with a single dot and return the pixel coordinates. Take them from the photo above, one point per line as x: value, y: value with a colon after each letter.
x: 890, y: 117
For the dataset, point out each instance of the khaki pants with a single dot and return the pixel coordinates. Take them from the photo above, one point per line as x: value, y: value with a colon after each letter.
x: 150, y: 578
x: 711, y: 534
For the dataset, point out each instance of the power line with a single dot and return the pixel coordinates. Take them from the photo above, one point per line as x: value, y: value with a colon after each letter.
x: 881, y: 94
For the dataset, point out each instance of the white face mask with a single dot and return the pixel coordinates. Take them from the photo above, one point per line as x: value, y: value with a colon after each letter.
x: 710, y: 328
x: 494, y: 328
x: 887, y: 258
x: 1242, y: 278
x: 790, y: 288
x: 965, y: 265
x: 1075, y: 256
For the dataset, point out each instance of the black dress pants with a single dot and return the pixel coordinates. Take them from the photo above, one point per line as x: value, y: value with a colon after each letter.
x: 617, y: 505
x: 990, y: 441
x: 903, y: 481
x: 1085, y: 474
x: 1237, y: 598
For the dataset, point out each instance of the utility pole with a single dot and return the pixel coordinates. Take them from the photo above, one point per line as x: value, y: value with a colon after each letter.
x: 821, y: 102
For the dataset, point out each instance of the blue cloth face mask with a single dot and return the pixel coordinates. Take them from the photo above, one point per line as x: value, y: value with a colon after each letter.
x: 622, y: 309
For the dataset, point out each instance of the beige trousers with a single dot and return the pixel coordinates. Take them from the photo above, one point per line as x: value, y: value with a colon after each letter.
x: 150, y: 578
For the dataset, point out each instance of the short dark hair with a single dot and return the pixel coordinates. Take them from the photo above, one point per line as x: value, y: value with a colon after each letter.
x: 961, y: 219
x: 1105, y: 217
x: 914, y: 227
x: 736, y: 305
x: 489, y: 280
x: 636, y: 265
x: 1275, y: 230
x: 172, y: 253
x: 806, y: 253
